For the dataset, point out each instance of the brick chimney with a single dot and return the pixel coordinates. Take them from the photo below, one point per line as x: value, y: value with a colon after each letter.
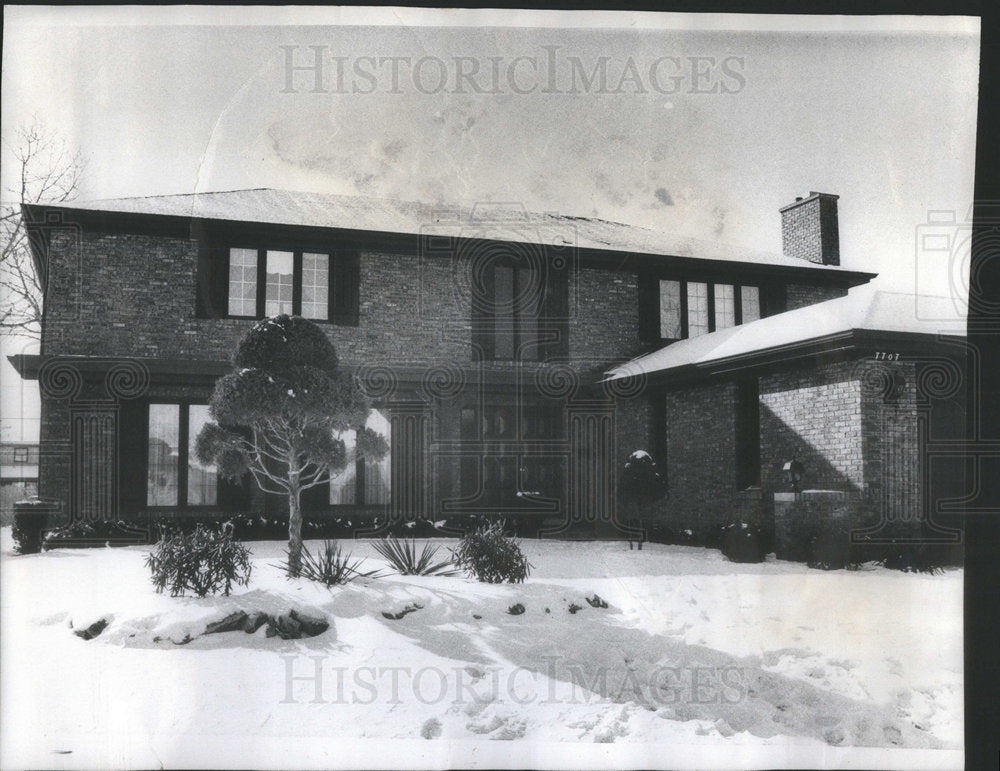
x: 809, y: 229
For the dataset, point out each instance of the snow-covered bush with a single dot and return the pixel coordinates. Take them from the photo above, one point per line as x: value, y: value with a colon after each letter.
x: 203, y: 562
x: 743, y: 542
x: 85, y: 534
x: 489, y: 556
x: 641, y: 483
x: 331, y: 566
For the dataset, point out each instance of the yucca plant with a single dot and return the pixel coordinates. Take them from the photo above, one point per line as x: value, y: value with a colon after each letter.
x: 331, y: 566
x: 402, y: 555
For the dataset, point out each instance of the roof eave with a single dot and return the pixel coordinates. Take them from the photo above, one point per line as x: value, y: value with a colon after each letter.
x: 847, y: 344
x: 172, y: 222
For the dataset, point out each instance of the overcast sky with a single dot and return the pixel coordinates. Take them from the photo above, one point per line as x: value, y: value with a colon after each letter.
x: 699, y: 132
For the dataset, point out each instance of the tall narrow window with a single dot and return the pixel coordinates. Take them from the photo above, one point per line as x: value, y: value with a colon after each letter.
x: 725, y: 306
x: 503, y: 318
x: 315, y: 285
x: 343, y: 484
x: 697, y: 298
x: 670, y: 310
x: 202, y: 479
x: 164, y: 454
x: 748, y: 434
x: 364, y: 481
x: 242, y: 282
x: 378, y: 477
x: 278, y: 289
x: 750, y: 303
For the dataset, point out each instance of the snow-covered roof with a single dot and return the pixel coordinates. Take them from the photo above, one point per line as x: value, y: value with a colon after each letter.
x: 864, y: 308
x: 507, y: 222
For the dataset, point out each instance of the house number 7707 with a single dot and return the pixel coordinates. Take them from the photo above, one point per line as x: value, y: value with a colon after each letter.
x: 885, y: 356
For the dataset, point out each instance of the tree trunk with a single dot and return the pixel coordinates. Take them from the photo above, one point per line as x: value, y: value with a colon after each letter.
x: 294, y: 529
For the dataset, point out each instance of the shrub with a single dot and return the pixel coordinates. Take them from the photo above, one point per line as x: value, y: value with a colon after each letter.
x: 641, y: 482
x: 743, y: 542
x: 490, y: 557
x: 403, y: 556
x: 915, y: 557
x: 830, y: 545
x: 203, y: 562
x: 331, y: 567
x: 27, y: 531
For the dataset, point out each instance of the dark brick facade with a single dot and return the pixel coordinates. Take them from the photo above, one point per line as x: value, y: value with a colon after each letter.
x: 858, y: 427
x: 801, y: 295
x: 119, y: 295
x: 701, y: 456
x: 813, y: 416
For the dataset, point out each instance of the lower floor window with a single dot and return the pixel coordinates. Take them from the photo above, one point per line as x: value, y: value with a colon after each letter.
x: 174, y: 475
x: 364, y: 481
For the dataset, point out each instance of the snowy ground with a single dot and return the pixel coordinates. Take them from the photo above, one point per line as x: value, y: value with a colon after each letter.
x: 696, y: 662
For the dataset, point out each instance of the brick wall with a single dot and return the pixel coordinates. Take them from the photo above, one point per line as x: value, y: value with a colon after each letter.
x: 813, y: 416
x: 701, y: 456
x: 604, y: 320
x: 134, y: 295
x: 892, y: 452
x: 130, y: 295
x: 800, y: 295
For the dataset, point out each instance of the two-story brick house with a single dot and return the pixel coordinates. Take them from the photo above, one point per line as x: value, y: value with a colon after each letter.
x: 482, y: 335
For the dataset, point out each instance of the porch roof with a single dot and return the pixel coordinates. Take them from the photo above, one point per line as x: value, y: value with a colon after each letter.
x: 865, y: 313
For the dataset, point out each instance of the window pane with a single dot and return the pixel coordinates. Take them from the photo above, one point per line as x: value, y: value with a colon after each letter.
x: 161, y: 480
x: 503, y: 319
x: 697, y: 296
x: 378, y: 473
x: 315, y: 285
x: 278, y: 292
x: 725, y: 306
x: 203, y: 479
x: 670, y: 309
x: 242, y: 282
x: 750, y: 300
x: 528, y: 296
x: 343, y: 485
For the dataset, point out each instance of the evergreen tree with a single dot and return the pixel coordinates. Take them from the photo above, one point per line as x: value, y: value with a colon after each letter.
x: 278, y: 415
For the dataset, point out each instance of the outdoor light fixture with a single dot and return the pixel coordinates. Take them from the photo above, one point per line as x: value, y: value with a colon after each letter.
x: 793, y: 472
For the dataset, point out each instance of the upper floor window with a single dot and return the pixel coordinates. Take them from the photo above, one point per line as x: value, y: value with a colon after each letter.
x: 749, y: 303
x: 278, y: 296
x: 697, y: 310
x: 515, y: 312
x: 520, y: 309
x: 692, y: 308
x: 670, y: 310
x: 315, y: 285
x: 242, y: 282
x: 20, y: 454
x: 253, y: 282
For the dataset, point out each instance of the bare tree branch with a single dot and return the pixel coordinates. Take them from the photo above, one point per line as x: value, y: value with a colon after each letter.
x: 49, y: 172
